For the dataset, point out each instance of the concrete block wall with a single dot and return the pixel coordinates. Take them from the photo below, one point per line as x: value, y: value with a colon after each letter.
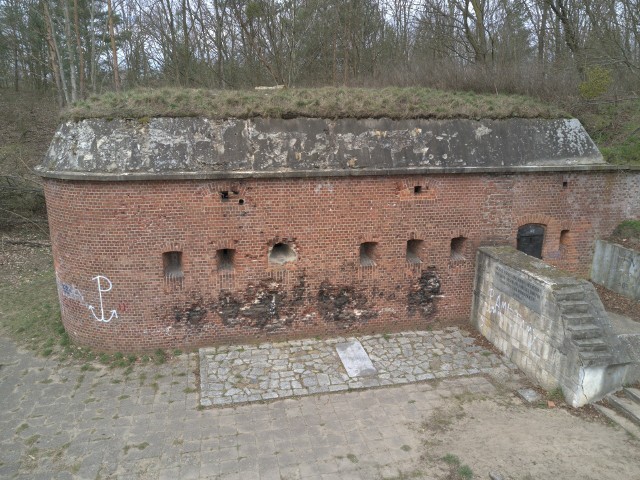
x: 550, y: 324
x: 617, y: 268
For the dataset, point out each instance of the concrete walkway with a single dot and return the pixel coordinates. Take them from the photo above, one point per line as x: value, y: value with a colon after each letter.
x: 69, y: 422
x: 249, y: 373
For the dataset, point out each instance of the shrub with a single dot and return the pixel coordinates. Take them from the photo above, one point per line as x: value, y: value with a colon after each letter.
x: 597, y: 82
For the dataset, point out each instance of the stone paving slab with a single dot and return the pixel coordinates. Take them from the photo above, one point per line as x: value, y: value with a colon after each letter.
x: 251, y: 373
x: 67, y: 422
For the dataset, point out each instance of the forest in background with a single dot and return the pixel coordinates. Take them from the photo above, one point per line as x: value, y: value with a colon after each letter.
x: 546, y: 48
x: 582, y: 55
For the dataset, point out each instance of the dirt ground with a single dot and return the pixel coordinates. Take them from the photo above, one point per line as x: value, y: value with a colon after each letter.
x: 616, y: 303
x: 500, y: 435
x: 631, y: 241
x: 19, y: 260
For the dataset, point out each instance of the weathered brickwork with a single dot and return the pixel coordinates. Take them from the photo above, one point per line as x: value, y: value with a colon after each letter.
x: 114, y: 234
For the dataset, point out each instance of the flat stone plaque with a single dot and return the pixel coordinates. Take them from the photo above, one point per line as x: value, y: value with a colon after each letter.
x: 355, y: 359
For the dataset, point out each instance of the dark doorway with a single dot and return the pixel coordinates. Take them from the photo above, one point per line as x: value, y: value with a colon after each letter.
x: 530, y: 239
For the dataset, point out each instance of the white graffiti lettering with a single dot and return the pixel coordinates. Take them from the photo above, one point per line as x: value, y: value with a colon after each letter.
x: 502, y: 306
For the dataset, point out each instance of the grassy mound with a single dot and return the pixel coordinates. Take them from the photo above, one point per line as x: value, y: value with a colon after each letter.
x: 628, y: 229
x: 396, y: 103
x: 615, y: 127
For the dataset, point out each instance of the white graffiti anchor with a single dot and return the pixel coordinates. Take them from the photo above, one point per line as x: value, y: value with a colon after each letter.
x: 101, y: 290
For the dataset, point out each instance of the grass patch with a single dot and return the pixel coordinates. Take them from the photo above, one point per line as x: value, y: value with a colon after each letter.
x: 457, y: 471
x: 465, y: 472
x: 31, y: 313
x: 442, y: 418
x: 189, y: 390
x: 140, y: 446
x: 352, y: 458
x: 451, y: 459
x: 31, y: 440
x: 159, y: 357
x: 556, y: 395
x: 22, y: 427
x: 326, y: 102
x: 629, y: 229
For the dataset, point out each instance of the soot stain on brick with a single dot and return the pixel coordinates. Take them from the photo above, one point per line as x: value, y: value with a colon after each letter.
x: 265, y: 306
x: 191, y: 315
x: 299, y: 291
x: 344, y: 305
x: 423, y: 293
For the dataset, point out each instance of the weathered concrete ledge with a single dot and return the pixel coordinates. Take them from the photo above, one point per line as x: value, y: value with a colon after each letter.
x: 551, y: 325
x: 617, y: 268
x: 124, y: 177
x: 190, y: 148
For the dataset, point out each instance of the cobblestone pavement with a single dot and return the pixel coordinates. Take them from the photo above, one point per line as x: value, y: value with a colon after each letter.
x: 76, y: 422
x: 248, y: 373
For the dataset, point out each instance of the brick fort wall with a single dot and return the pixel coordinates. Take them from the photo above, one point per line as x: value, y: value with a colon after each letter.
x: 142, y: 265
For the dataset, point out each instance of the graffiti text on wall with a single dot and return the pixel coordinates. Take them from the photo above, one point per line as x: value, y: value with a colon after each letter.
x: 69, y: 291
x: 104, y: 285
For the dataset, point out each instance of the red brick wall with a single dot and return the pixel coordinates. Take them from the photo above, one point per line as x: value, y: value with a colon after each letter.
x: 120, y: 230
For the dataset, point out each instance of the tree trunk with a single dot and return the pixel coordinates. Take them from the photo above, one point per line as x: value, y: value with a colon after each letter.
x: 16, y: 69
x: 186, y: 48
x: 542, y: 31
x: 571, y: 36
x: 114, y: 51
x: 79, y: 50
x: 55, y: 66
x: 92, y: 53
x: 71, y: 54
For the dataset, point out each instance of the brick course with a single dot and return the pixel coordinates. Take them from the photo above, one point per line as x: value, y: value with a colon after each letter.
x: 120, y: 230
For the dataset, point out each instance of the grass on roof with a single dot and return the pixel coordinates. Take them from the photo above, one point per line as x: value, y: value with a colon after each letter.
x: 396, y: 103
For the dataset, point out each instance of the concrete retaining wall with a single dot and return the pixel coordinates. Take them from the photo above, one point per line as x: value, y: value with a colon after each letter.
x: 617, y: 268
x: 553, y: 326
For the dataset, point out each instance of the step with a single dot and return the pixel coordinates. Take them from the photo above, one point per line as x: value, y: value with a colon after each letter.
x: 591, y: 344
x: 601, y: 357
x: 569, y: 293
x: 584, y: 331
x: 578, y: 319
x: 615, y: 417
x: 632, y: 394
x: 573, y: 306
x: 626, y: 407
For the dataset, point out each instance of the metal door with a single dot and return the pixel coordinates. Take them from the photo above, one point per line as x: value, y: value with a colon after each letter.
x: 531, y: 239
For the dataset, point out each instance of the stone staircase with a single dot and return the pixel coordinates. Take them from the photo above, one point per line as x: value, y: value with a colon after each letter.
x: 584, y: 330
x: 623, y: 408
